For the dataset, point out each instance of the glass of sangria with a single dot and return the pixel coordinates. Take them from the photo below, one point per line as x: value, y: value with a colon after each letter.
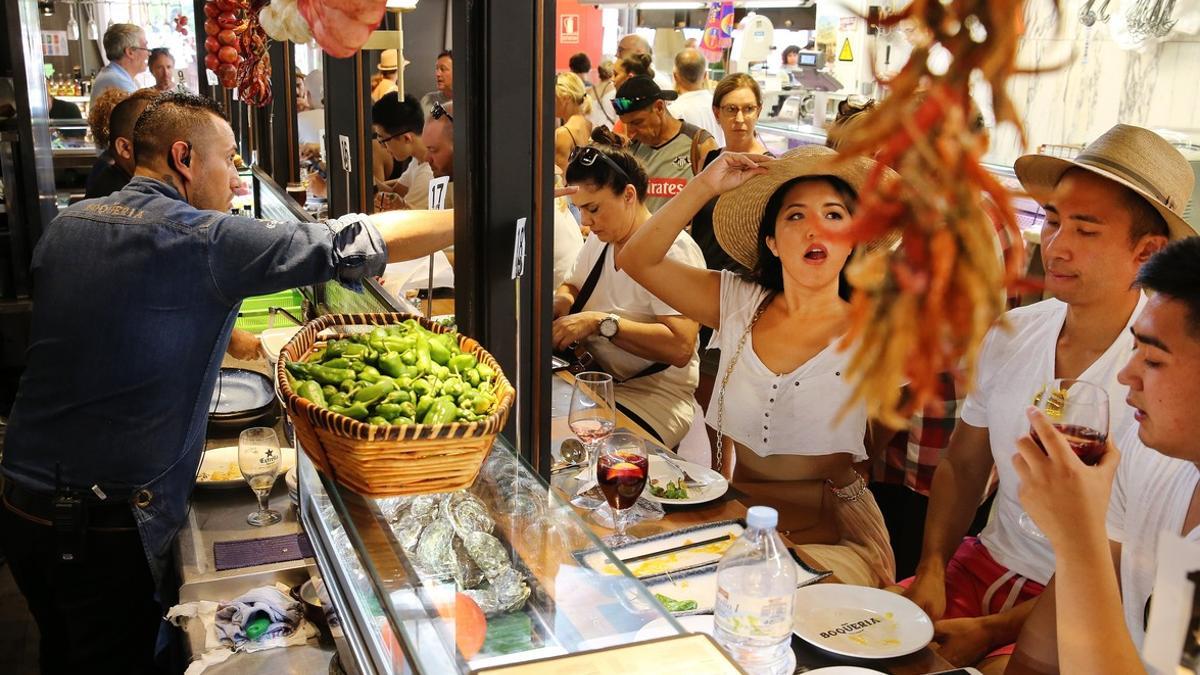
x: 622, y: 468
x: 1079, y: 411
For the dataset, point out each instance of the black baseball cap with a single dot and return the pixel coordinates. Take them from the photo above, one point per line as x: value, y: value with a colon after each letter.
x: 640, y: 92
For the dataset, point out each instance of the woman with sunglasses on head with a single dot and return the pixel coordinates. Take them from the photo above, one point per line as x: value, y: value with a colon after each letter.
x: 571, y: 105
x: 648, y: 348
x: 779, y: 405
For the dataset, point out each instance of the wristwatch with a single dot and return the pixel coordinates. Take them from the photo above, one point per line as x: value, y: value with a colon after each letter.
x: 609, y: 326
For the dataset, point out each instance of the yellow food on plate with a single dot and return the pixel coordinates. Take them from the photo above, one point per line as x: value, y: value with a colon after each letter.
x: 223, y: 473
x: 673, y: 561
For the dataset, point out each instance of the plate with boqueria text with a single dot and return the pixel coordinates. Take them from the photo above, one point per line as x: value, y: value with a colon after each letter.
x: 860, y: 622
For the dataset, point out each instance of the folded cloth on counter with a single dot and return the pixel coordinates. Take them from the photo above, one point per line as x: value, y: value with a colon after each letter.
x: 288, y: 627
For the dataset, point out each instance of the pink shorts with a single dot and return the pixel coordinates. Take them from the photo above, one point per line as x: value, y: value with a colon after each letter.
x: 977, y: 585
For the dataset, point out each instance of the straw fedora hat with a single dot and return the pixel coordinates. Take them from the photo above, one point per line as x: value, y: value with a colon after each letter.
x: 739, y: 212
x: 389, y: 61
x: 1136, y: 158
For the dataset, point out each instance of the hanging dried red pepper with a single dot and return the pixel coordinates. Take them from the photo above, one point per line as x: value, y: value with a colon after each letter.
x: 923, y: 308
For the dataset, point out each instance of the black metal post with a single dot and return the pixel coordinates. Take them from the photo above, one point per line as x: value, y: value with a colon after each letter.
x: 278, y: 152
x: 347, y: 96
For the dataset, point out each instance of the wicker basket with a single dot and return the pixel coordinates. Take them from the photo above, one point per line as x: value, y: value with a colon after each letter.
x: 387, y: 461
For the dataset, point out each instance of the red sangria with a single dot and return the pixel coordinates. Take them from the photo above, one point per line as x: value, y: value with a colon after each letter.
x: 1087, y: 443
x: 622, y: 477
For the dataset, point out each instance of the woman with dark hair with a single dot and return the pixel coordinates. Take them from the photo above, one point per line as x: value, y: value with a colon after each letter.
x: 791, y: 56
x: 780, y: 404
x: 631, y: 66
x: 648, y: 348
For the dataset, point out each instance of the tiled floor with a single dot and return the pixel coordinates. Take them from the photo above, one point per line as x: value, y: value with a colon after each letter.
x: 18, y: 633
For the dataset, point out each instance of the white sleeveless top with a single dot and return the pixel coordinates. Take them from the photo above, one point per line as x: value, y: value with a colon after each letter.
x: 789, y: 414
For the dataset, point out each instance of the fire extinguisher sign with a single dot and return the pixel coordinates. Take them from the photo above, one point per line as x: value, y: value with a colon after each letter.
x: 568, y: 29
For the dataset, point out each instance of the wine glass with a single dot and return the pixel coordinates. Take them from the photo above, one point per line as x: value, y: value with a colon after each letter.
x: 593, y: 414
x: 622, y: 468
x: 1079, y: 411
x: 260, y: 460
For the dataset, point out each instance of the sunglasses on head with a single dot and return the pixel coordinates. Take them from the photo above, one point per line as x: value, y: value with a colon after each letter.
x: 624, y: 104
x: 587, y: 156
x: 438, y: 112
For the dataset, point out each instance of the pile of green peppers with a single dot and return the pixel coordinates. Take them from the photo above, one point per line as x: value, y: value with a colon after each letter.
x: 396, y: 375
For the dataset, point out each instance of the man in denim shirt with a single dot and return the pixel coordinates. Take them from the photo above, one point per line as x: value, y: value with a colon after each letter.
x: 136, y: 296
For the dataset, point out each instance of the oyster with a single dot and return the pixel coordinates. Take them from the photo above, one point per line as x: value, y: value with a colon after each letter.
x: 408, y: 531
x: 509, y: 589
x: 467, y: 514
x: 394, y: 508
x: 486, y: 600
x: 425, y: 507
x: 486, y: 551
x: 435, y: 550
x: 466, y: 573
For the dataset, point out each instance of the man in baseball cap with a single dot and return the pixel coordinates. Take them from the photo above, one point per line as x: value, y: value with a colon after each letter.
x: 667, y: 146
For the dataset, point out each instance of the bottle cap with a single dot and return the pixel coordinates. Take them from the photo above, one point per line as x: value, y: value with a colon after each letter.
x: 762, y: 517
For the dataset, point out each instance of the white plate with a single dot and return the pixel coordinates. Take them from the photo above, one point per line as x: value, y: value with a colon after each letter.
x: 860, y: 622
x: 844, y: 670
x: 219, y: 467
x: 661, y: 471
x: 660, y: 628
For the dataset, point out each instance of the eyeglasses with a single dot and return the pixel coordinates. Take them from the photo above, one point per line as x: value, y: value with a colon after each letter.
x: 733, y: 110
x: 438, y: 112
x: 587, y: 156
x: 381, y: 140
x: 624, y: 104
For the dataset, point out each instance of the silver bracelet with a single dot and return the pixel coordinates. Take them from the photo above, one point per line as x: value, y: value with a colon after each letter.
x: 850, y: 493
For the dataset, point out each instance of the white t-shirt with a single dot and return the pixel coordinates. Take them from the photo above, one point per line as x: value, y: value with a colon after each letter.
x: 601, y: 97
x: 1016, y: 361
x: 567, y: 241
x: 309, y: 125
x: 789, y: 414
x: 663, y: 399
x: 1150, y: 495
x: 696, y: 107
x: 416, y: 178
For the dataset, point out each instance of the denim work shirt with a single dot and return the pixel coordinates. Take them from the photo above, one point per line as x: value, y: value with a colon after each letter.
x: 136, y: 297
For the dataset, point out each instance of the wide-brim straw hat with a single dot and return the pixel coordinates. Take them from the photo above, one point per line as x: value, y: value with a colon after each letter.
x: 389, y: 61
x: 739, y: 212
x: 1136, y: 158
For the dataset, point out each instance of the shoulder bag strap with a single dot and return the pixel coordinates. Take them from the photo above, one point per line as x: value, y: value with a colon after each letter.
x: 589, y: 285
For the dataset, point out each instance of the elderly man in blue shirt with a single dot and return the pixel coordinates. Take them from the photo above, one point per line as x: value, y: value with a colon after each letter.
x: 127, y: 54
x: 137, y: 294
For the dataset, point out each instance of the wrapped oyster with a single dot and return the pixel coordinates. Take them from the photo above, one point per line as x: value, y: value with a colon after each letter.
x: 466, y: 514
x: 425, y: 507
x: 435, y: 550
x: 466, y: 573
x: 393, y: 508
x: 485, y: 599
x: 509, y: 589
x: 408, y: 531
x: 487, y: 552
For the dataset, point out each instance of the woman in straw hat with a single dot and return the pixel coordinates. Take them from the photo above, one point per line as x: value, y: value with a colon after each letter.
x: 389, y: 69
x: 780, y: 400
x: 648, y: 348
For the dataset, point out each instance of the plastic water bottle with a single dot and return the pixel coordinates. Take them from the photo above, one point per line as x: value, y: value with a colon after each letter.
x: 756, y: 591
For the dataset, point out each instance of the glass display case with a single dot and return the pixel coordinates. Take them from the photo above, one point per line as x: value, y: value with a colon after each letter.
x: 417, y: 587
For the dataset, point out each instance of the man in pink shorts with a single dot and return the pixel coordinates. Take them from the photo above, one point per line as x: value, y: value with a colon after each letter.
x: 1100, y: 227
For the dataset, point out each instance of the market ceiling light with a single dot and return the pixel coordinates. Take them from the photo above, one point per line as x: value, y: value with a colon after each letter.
x: 47, y: 7
x: 776, y: 4
x: 402, y: 4
x: 671, y: 5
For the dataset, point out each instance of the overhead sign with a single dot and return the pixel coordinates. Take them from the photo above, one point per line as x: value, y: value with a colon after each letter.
x: 568, y: 29
x: 846, y: 54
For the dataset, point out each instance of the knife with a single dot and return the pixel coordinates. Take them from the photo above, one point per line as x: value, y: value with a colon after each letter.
x: 675, y: 549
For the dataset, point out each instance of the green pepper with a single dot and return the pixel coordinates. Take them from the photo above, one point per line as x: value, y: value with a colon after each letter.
x: 443, y: 411
x: 388, y: 410
x: 421, y: 387
x: 339, y: 362
x: 328, y: 390
x: 374, y: 393
x: 292, y: 381
x: 404, y: 382
x: 317, y: 356
x: 424, y: 362
x: 423, y: 405
x: 472, y: 377
x: 299, y: 369
x: 312, y: 391
x: 486, y: 372
x: 369, y: 374
x: 356, y: 410
x: 463, y: 362
x: 439, y: 352
x: 452, y: 387
x: 336, y: 348
x: 358, y: 366
x: 337, y: 398
x: 391, y: 364
x: 355, y: 350
x: 348, y: 385
x: 326, y: 375
x: 482, y: 403
x: 409, y: 357
x: 400, y: 396
x: 378, y: 420
x: 400, y: 421
x: 400, y: 344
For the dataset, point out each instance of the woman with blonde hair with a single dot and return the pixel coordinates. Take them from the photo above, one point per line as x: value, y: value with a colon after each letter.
x: 571, y: 105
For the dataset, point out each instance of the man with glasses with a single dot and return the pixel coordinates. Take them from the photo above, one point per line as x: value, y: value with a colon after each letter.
x: 398, y: 125
x: 665, y: 145
x: 125, y: 48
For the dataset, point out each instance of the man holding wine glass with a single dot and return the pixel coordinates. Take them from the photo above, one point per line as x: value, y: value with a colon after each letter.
x: 1155, y: 488
x: 1107, y: 212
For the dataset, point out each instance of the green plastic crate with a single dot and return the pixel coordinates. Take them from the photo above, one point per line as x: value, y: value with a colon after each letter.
x: 255, y: 316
